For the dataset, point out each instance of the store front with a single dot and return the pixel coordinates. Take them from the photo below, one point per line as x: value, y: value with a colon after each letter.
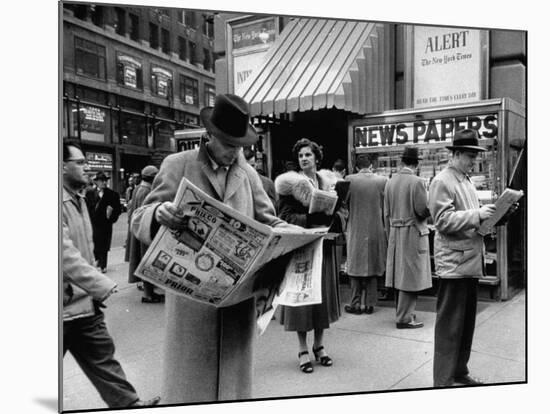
x: 501, y: 125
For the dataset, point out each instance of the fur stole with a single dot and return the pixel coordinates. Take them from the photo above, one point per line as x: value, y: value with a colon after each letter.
x: 297, y: 185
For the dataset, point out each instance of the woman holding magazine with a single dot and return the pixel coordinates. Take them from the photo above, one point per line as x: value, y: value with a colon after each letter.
x: 294, y: 190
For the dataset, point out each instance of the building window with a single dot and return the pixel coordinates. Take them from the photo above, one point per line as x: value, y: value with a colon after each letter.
x: 207, y: 62
x: 189, y: 90
x: 182, y: 48
x: 192, y: 53
x: 190, y: 19
x: 134, y: 27
x: 89, y: 58
x: 153, y: 36
x: 80, y: 11
x: 161, y: 82
x: 97, y: 15
x: 209, y: 95
x: 208, y: 26
x: 181, y: 16
x: 129, y: 71
x: 120, y: 22
x: 165, y: 38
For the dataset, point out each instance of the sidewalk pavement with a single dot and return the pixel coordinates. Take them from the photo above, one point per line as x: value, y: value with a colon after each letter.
x: 369, y: 353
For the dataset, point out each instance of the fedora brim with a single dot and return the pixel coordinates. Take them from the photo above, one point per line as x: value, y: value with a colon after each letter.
x: 466, y: 147
x: 249, y: 138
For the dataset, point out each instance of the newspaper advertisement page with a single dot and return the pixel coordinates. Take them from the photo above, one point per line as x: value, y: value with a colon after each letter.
x: 215, y: 251
x: 322, y: 201
x: 504, y: 202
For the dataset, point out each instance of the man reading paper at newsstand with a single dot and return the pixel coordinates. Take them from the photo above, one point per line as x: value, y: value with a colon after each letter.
x: 208, y: 350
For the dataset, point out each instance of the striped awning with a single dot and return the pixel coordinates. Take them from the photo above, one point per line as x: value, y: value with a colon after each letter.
x: 317, y: 63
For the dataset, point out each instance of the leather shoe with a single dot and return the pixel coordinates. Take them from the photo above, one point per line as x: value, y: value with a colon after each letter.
x: 369, y: 310
x: 146, y: 403
x: 409, y: 325
x: 352, y: 309
x: 467, y: 380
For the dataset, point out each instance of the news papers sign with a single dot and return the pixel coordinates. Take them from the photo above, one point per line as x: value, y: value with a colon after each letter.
x: 423, y: 131
x: 448, y: 66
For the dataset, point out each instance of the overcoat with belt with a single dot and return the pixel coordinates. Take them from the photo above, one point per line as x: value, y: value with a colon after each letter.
x: 101, y: 224
x: 207, y: 351
x: 366, y: 239
x: 406, y: 211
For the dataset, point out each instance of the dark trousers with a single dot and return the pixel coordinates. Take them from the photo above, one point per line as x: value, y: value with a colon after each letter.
x: 363, y: 290
x: 93, y: 349
x: 454, y: 329
x: 101, y: 257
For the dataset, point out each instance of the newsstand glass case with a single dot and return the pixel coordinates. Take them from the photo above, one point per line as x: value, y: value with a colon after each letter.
x: 501, y: 126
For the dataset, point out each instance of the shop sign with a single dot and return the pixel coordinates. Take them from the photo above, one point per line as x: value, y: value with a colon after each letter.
x: 423, y: 132
x: 131, y: 67
x: 448, y: 66
x: 257, y: 33
x: 163, y: 77
x: 249, y: 44
x: 92, y: 119
x: 99, y: 161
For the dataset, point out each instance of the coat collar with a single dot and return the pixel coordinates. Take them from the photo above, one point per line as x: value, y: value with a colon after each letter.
x: 235, y: 174
x: 460, y: 176
x: 406, y: 170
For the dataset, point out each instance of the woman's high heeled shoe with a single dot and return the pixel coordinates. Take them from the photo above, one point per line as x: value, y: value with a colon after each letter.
x: 306, y: 367
x: 325, y: 359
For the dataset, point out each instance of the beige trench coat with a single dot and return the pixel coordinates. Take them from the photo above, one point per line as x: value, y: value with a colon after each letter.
x: 458, y: 249
x: 207, y: 351
x: 406, y: 211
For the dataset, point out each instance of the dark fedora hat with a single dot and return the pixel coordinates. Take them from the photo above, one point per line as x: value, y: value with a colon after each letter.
x: 101, y: 176
x: 229, y: 120
x: 410, y: 154
x: 466, y: 139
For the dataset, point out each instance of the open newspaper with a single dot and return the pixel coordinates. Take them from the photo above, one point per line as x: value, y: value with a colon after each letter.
x: 215, y: 258
x: 504, y: 202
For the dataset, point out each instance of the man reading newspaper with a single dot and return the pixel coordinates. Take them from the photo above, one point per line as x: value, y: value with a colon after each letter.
x: 208, y: 350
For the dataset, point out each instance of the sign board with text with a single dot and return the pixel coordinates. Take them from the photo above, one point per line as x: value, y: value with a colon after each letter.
x: 248, y: 42
x: 423, y: 131
x: 449, y: 66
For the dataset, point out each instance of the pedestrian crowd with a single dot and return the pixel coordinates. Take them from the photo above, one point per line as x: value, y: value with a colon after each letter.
x: 208, y: 351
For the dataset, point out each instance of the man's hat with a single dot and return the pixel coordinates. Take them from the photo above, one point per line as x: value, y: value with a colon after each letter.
x: 466, y: 139
x: 410, y: 154
x: 229, y: 120
x: 150, y: 171
x: 101, y: 176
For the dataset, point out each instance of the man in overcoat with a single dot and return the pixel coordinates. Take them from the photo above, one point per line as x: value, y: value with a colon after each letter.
x: 104, y: 207
x: 458, y: 256
x: 85, y: 290
x: 408, y: 262
x: 137, y: 249
x: 366, y: 239
x: 208, y: 350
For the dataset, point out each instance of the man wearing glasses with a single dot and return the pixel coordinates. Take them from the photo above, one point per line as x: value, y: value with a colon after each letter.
x: 85, y: 289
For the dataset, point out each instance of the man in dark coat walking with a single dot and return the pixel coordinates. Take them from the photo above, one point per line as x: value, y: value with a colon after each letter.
x: 408, y: 263
x: 104, y: 207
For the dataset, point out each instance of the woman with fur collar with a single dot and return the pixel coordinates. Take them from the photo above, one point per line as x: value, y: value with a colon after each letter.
x: 294, y: 190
